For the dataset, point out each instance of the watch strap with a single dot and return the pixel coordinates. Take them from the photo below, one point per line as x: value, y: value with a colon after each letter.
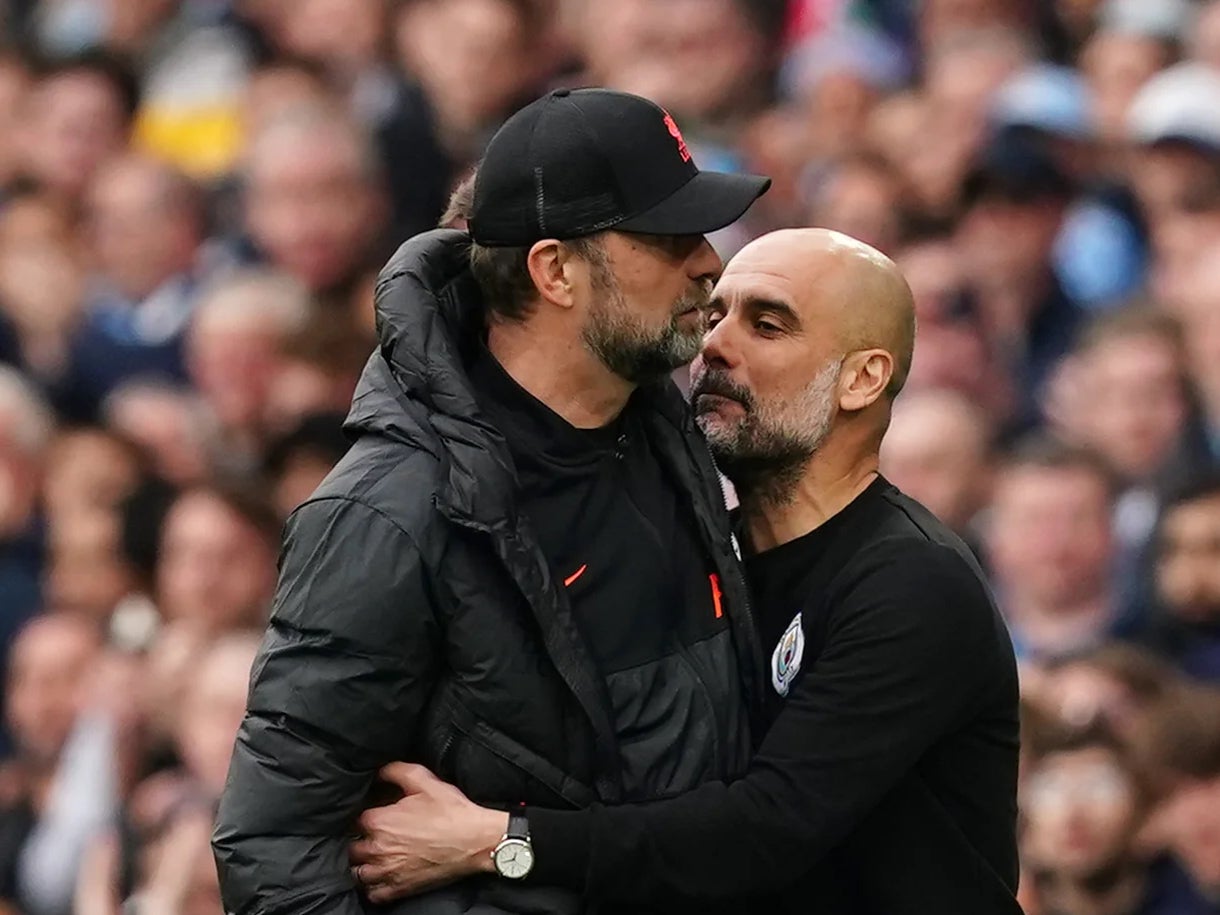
x: 518, y: 825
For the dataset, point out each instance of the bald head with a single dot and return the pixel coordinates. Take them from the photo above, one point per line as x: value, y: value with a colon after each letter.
x: 811, y: 338
x: 840, y: 286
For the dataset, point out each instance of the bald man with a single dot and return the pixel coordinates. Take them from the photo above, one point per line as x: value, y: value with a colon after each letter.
x: 886, y: 782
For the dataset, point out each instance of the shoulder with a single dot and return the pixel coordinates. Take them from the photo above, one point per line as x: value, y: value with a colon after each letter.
x: 382, y: 478
x: 908, y: 582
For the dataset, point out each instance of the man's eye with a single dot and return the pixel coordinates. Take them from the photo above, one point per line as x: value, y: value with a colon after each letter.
x: 713, y: 319
x: 767, y: 327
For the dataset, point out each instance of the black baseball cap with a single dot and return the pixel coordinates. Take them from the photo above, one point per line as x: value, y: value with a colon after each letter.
x: 578, y: 161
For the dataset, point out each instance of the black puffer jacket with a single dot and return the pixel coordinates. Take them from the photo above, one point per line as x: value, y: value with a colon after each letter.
x: 416, y: 618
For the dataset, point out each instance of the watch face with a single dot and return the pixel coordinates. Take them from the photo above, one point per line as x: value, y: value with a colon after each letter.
x: 514, y: 858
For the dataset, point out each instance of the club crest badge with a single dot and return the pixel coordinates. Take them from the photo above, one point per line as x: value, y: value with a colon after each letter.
x: 786, y: 659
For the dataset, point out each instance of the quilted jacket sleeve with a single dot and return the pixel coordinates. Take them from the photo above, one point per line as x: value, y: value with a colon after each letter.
x: 336, y: 692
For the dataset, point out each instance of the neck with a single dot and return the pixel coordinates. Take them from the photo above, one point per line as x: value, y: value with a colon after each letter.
x: 569, y: 380
x: 811, y: 495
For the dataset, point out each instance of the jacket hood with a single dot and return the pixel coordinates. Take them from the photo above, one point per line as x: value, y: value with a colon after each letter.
x: 414, y: 388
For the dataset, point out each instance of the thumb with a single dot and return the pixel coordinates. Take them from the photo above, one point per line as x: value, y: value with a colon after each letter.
x: 410, y: 777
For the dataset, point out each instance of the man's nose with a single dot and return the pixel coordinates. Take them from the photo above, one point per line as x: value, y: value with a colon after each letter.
x: 719, y: 348
x: 704, y: 264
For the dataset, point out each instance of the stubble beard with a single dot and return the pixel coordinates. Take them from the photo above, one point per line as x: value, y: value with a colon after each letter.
x: 629, y: 348
x: 766, y: 451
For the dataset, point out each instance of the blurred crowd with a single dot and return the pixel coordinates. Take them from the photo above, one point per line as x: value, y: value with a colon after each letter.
x: 195, y: 198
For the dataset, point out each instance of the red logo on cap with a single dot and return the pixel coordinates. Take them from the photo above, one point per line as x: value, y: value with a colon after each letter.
x: 677, y: 135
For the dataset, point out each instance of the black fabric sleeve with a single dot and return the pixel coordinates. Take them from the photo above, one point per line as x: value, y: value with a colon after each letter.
x: 905, y: 661
x: 342, y: 675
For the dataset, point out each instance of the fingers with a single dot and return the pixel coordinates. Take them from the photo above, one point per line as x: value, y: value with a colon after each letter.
x: 370, y: 874
x: 411, y: 778
x: 362, y: 851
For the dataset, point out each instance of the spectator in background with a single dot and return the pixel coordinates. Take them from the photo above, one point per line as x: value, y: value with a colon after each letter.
x: 1124, y: 396
x: 1083, y: 802
x: 89, y: 469
x: 146, y: 224
x: 300, y: 459
x: 169, y: 424
x: 1119, y: 685
x: 86, y: 570
x: 1175, y: 125
x: 475, y: 60
x: 314, y: 205
x: 1186, y: 628
x: 954, y: 350
x: 217, y: 565
x: 938, y: 450
x: 1183, y: 751
x: 1117, y: 60
x: 44, y: 820
x: 77, y: 115
x: 1051, y: 550
x: 1016, y: 200
x: 164, y: 841
x: 861, y: 197
x: 235, y: 349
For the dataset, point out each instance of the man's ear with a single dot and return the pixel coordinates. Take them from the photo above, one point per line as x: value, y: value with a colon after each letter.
x: 864, y: 377
x: 550, y: 264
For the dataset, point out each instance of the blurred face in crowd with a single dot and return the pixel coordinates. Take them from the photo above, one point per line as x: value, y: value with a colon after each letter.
x: 644, y: 299
x: 1050, y: 537
x: 695, y: 57
x: 166, y: 424
x: 73, y: 122
x: 235, y: 352
x: 1006, y: 241
x: 1188, y: 571
x: 86, y: 471
x: 1081, y: 691
x: 1136, y: 402
x: 215, y: 703
x: 143, y: 225
x: 862, y: 200
x: 473, y: 57
x: 88, y: 574
x: 962, y: 77
x: 302, y: 387
x: 216, y: 569
x: 275, y: 91
x: 952, y: 351
x: 312, y: 204
x: 343, y: 35
x: 936, y: 451
x: 1115, y: 66
x: 1191, y: 818
x: 1165, y: 175
x: 47, y: 668
x: 1081, y: 810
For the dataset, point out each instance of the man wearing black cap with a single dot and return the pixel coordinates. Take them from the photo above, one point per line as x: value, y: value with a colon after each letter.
x: 522, y: 574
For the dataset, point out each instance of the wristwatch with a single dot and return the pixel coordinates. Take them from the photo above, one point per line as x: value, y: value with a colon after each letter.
x: 514, y: 856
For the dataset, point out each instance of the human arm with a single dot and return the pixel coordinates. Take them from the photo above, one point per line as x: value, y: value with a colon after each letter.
x: 336, y: 691
x: 909, y: 655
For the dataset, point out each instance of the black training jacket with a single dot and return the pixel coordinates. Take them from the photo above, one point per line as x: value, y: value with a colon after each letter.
x: 417, y: 619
